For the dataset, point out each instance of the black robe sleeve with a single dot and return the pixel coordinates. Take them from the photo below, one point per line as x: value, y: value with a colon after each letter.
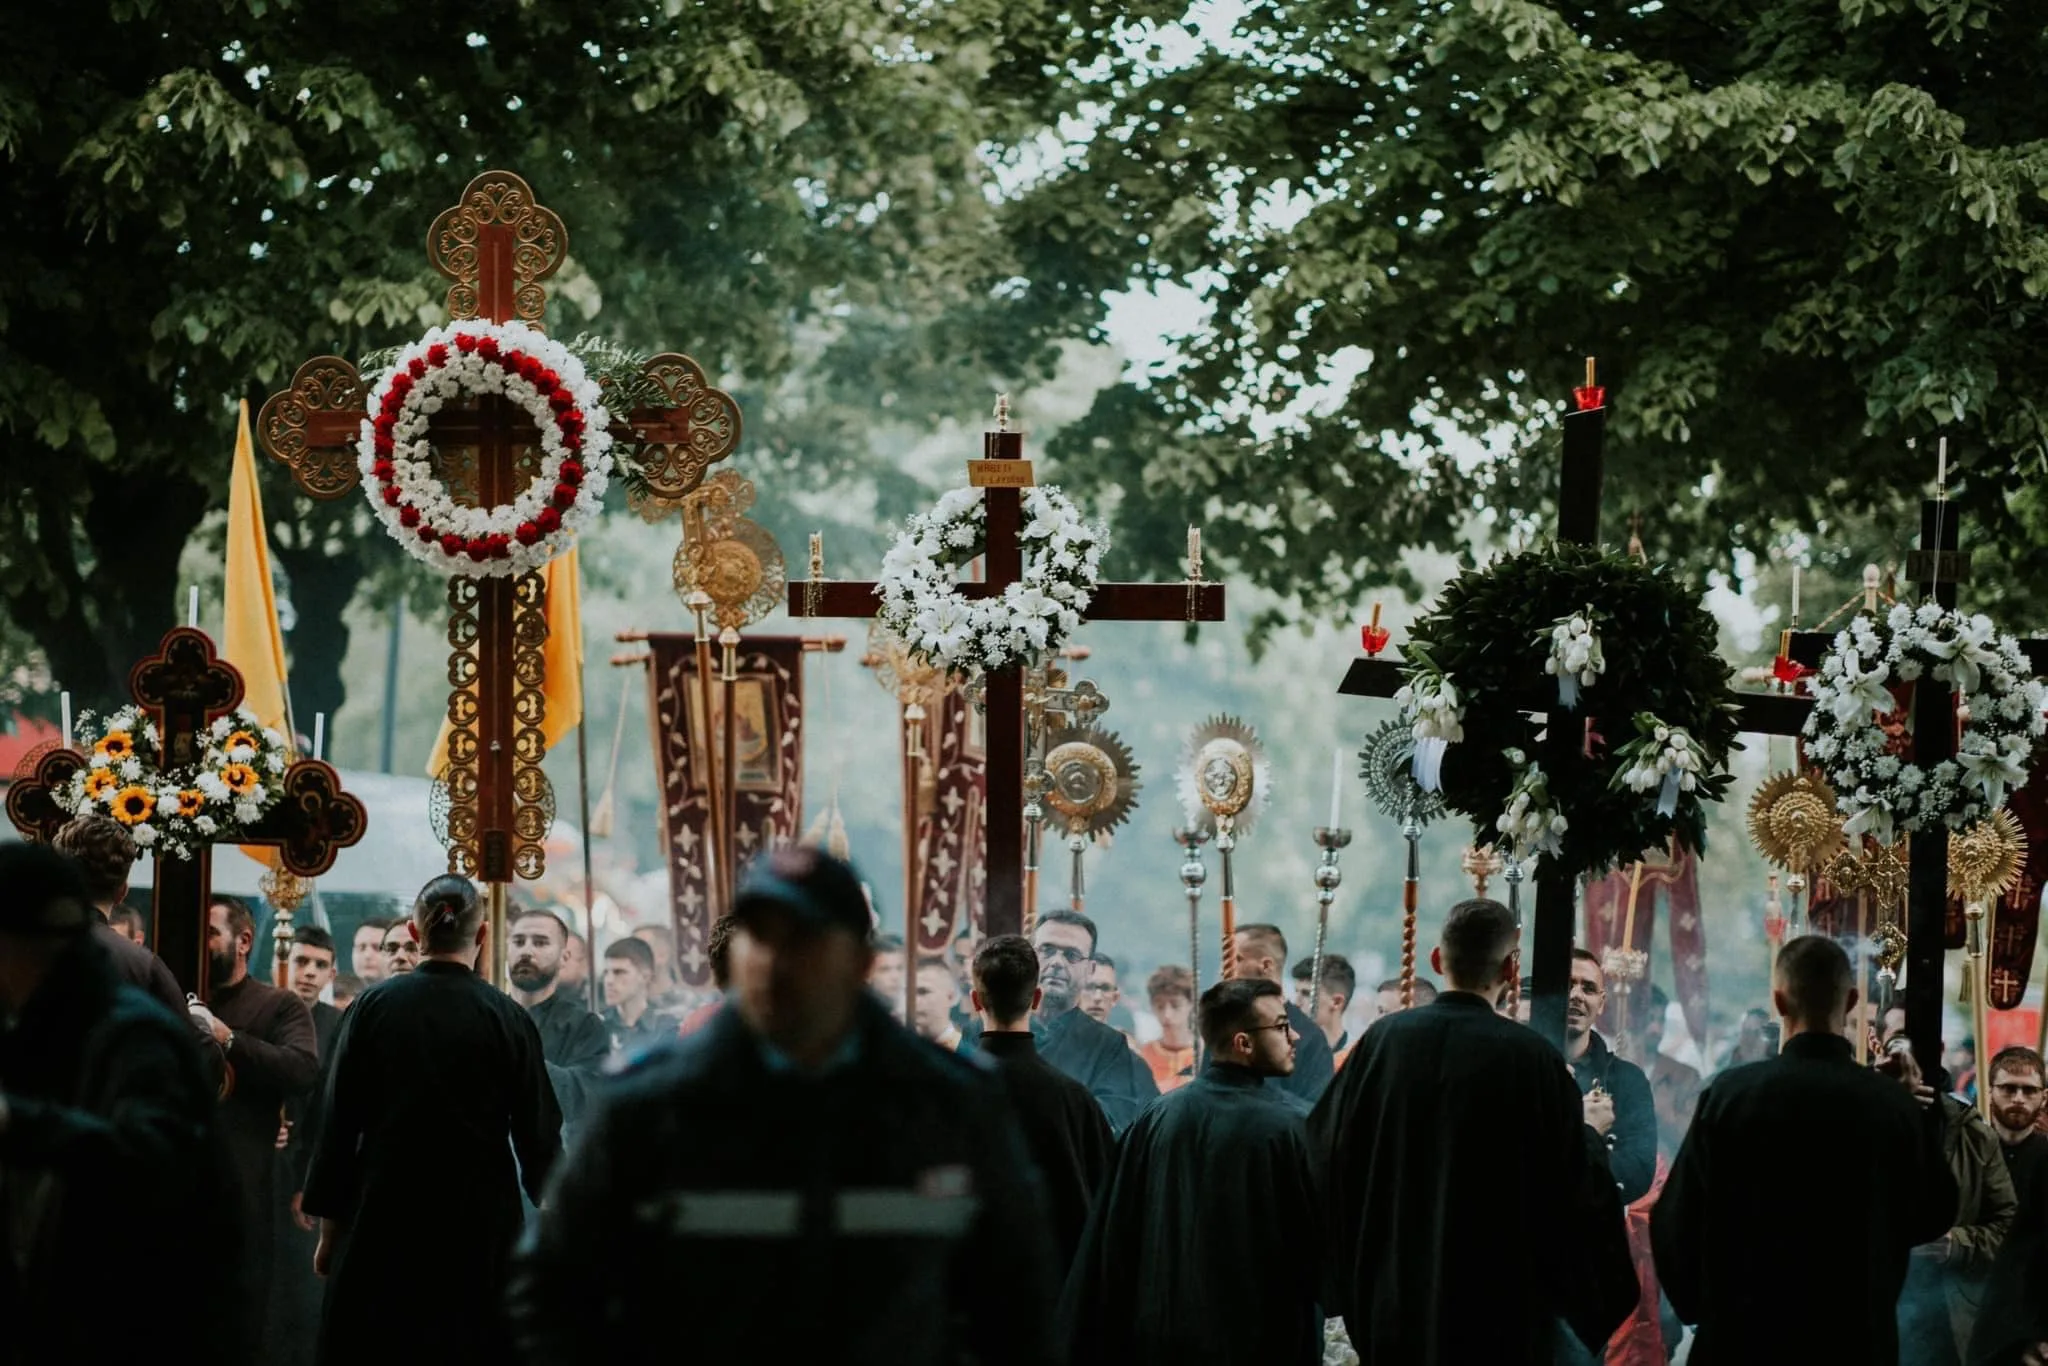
x: 579, y: 1061
x: 536, y: 1112
x: 556, y: 1281
x: 1093, y: 1329
x: 280, y: 1052
x: 144, y: 1122
x: 1314, y: 1062
x: 1677, y: 1241
x: 1632, y: 1154
x: 1124, y: 1085
x: 334, y: 1172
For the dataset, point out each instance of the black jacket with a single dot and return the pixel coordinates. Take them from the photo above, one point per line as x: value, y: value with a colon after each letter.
x: 1632, y: 1143
x: 1064, y: 1132
x: 1746, y: 1182
x: 882, y: 1211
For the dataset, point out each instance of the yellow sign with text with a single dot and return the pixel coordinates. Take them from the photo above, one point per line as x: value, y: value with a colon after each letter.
x: 999, y: 474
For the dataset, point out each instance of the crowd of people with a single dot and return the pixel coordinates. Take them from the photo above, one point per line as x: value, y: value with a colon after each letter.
x: 858, y: 1156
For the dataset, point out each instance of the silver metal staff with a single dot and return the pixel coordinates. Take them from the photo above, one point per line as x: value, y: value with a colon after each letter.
x: 1328, y: 877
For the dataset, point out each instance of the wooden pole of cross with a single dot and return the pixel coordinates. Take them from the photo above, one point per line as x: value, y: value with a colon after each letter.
x: 496, y: 246
x: 183, y: 688
x: 1002, y: 473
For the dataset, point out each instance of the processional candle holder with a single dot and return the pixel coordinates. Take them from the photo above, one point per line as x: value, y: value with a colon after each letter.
x: 286, y: 892
x: 1223, y: 778
x: 1328, y: 877
x: 1387, y: 764
x: 1092, y: 783
x: 1046, y: 698
x: 1624, y: 967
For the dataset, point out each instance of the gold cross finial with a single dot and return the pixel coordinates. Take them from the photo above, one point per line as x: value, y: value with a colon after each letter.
x: 1002, y: 412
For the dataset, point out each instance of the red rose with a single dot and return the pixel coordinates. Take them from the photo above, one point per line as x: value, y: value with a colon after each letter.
x: 477, y: 548
x: 565, y: 496
x: 487, y: 347
x: 437, y: 354
x: 408, y: 515
x: 417, y: 368
x: 548, y: 520
x: 529, y: 368
x: 465, y: 343
x: 501, y: 547
x: 572, y: 473
x: 392, y: 495
x: 384, y: 446
x: 549, y: 381
x: 561, y: 400
x: 384, y: 470
x: 528, y: 533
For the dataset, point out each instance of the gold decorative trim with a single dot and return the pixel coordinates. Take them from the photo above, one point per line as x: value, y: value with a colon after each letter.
x: 463, y: 775
x: 310, y: 427
x: 532, y: 805
x: 463, y: 234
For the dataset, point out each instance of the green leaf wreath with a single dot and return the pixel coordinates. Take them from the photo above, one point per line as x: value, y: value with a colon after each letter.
x: 1486, y: 638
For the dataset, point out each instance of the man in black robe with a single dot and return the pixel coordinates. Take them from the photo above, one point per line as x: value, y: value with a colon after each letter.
x: 295, y: 1300
x: 267, y: 1035
x: 1262, y: 956
x: 1063, y: 1127
x: 1620, y: 1108
x: 2015, y: 1314
x: 573, y: 1039
x: 117, y: 1222
x: 1090, y: 1052
x: 1197, y: 1246
x: 1737, y: 1195
x: 1471, y: 1216
x: 801, y: 1180
x: 436, y: 1086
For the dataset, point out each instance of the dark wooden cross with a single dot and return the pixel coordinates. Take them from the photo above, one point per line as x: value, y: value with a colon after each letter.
x: 1002, y: 462
x: 184, y: 687
x: 496, y: 246
x: 1936, y: 568
x: 1578, y: 522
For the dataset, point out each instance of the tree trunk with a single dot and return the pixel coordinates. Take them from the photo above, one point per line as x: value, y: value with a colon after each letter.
x: 322, y: 587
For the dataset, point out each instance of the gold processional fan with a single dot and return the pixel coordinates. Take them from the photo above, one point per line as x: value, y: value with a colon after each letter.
x: 1793, y: 824
x: 1092, y: 782
x: 1224, y: 780
x: 1984, y: 863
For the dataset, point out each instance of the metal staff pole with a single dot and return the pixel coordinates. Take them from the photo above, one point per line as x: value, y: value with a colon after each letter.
x: 1328, y: 877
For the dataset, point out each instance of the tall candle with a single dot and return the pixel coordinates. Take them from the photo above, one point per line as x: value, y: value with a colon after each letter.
x: 64, y: 705
x: 320, y: 735
x: 1336, y: 788
x: 1194, y: 552
x: 1941, y: 469
x: 1795, y: 594
x: 192, y: 608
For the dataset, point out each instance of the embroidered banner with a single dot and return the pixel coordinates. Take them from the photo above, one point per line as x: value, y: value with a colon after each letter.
x: 768, y: 707
x: 1676, y: 880
x: 949, y: 802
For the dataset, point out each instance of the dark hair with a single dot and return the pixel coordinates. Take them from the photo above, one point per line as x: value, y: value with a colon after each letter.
x: 2017, y: 1058
x: 934, y: 960
x: 1171, y: 980
x: 1103, y: 959
x: 886, y: 943
x: 539, y: 913
x: 395, y: 927
x: 634, y: 951
x: 447, y: 914
x: 1268, y: 937
x: 379, y: 923
x: 1580, y: 955
x: 1339, y: 978
x: 347, y: 986
x: 1425, y: 990
x: 719, y: 950
x: 1006, y: 974
x: 126, y: 915
x: 313, y: 937
x: 1227, y: 1009
x: 1478, y: 937
x: 103, y: 851
x: 241, y: 920
x: 1814, y: 973
x: 1074, y: 918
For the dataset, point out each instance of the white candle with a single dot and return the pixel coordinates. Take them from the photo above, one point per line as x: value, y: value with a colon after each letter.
x: 319, y: 735
x: 192, y: 608
x: 1336, y: 787
x: 1194, y: 552
x: 1941, y: 469
x: 1795, y: 592
x: 64, y: 704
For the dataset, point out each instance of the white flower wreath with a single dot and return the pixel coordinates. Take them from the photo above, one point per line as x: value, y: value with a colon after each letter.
x: 924, y: 608
x: 538, y: 375
x: 1998, y: 702
x: 236, y: 782
x: 1530, y: 825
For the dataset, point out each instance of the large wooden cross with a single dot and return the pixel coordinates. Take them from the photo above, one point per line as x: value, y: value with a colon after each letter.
x: 1003, y: 474
x: 1578, y: 523
x: 496, y: 246
x: 183, y: 687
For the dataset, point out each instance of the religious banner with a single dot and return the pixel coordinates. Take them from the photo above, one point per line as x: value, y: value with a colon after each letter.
x: 950, y: 873
x: 1677, y: 880
x: 769, y: 712
x: 2016, y: 923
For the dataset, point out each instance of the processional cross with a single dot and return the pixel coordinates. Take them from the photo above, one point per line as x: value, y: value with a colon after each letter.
x: 496, y: 246
x: 1003, y: 474
x: 183, y: 688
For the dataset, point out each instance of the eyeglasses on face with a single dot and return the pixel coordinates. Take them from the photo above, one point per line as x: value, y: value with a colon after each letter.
x: 1284, y: 1025
x: 1062, y: 952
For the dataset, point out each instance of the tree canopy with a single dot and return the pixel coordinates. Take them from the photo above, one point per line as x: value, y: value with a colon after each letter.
x: 1799, y: 234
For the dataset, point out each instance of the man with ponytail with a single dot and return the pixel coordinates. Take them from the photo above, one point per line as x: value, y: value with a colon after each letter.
x: 437, y: 1084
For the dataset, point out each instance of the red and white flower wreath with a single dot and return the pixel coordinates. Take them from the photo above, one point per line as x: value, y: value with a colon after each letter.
x: 539, y: 375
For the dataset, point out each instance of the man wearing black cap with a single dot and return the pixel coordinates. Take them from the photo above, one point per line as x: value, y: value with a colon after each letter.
x: 108, y: 1157
x: 801, y: 1179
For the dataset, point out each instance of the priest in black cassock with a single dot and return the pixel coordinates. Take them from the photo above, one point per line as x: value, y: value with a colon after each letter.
x: 1203, y: 1245
x: 437, y: 1085
x: 574, y: 1040
x: 1262, y: 954
x: 1737, y: 1192
x: 1471, y: 1216
x: 1063, y: 1127
x: 1091, y: 1053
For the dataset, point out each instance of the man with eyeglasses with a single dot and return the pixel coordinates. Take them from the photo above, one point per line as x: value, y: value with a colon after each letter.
x: 1099, y: 991
x: 1088, y: 1051
x: 1202, y: 1245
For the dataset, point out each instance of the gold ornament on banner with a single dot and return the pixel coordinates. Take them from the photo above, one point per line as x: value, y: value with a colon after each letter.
x: 726, y: 555
x: 1793, y: 821
x: 1986, y: 860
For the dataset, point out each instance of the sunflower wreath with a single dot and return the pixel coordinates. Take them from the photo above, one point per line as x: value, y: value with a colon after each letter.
x: 1481, y: 681
x: 236, y: 781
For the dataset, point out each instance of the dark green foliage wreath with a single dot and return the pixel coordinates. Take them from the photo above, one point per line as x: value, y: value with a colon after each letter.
x: 1489, y: 634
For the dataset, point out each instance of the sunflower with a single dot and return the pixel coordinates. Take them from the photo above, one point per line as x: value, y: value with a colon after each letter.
x: 239, y: 778
x: 191, y: 802
x: 242, y: 737
x: 116, y: 745
x: 134, y: 806
x: 99, y: 782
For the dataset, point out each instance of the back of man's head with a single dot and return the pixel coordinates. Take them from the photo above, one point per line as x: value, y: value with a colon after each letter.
x: 448, y: 913
x: 1006, y: 978
x: 103, y: 851
x: 1477, y: 941
x: 631, y: 950
x: 1812, y: 983
x: 1339, y: 977
x: 1266, y: 940
x: 1228, y: 1008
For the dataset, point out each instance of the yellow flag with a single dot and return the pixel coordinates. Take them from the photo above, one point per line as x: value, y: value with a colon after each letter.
x: 250, y: 639
x: 561, y: 659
